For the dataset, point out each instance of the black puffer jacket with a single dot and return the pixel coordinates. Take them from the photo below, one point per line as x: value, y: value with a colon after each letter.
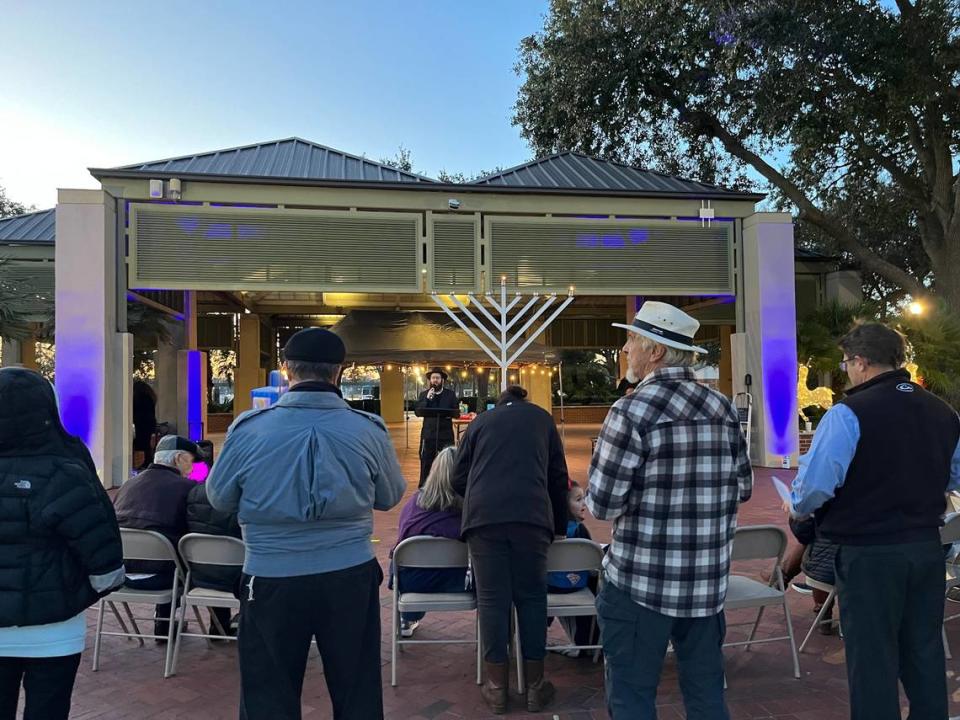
x: 202, y: 517
x: 60, y: 545
x: 820, y: 553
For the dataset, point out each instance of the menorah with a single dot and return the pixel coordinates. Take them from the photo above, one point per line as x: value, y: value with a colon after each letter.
x: 496, y: 328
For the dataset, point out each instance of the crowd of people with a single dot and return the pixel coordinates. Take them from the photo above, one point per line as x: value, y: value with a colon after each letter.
x: 299, y: 482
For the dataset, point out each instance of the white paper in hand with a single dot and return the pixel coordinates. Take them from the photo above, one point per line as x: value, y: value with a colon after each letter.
x: 783, y: 491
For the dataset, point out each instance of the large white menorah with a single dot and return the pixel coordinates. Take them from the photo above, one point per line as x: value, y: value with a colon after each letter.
x: 498, y: 349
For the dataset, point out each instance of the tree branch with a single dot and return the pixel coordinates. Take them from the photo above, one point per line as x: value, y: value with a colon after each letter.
x: 871, y: 261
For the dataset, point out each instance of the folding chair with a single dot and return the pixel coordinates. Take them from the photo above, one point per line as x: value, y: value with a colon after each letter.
x: 436, y: 553
x: 825, y: 608
x: 570, y: 555
x: 143, y: 545
x: 743, y: 401
x: 760, y: 542
x: 200, y: 549
x: 949, y: 534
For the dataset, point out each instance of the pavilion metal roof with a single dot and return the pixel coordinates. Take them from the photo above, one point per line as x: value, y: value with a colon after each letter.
x: 291, y: 158
x: 35, y: 227
x: 576, y: 171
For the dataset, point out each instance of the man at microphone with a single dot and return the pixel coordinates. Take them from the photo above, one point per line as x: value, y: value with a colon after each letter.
x: 437, y: 406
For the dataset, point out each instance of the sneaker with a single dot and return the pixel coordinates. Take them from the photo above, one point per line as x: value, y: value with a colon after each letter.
x: 407, y: 627
x: 567, y: 652
x: 802, y: 588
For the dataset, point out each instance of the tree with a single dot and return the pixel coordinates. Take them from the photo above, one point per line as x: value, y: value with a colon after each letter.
x: 9, y: 207
x: 818, y: 98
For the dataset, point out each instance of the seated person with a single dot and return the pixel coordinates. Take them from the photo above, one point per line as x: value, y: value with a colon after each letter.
x: 156, y: 499
x: 577, y: 628
x: 202, y: 517
x: 817, y: 564
x: 434, y: 510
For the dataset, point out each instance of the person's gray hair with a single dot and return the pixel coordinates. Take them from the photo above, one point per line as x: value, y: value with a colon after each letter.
x: 168, y: 457
x: 673, y: 357
x: 437, y: 493
x: 300, y: 371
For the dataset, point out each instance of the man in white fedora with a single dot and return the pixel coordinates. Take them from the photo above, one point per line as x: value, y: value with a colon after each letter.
x: 670, y: 469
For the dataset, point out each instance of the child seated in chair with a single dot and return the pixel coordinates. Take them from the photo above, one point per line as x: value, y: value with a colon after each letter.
x: 817, y: 564
x: 578, y: 629
x: 434, y: 510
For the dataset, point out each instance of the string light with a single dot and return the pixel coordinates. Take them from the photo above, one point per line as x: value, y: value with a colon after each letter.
x: 463, y: 373
x: 389, y: 367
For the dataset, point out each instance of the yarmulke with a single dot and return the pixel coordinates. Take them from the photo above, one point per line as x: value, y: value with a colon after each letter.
x: 315, y: 345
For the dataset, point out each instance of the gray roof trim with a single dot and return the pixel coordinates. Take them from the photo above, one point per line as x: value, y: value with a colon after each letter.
x: 576, y: 171
x: 36, y: 228
x: 101, y: 173
x: 289, y: 158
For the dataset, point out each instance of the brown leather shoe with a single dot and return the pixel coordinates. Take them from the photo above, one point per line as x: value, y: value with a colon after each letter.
x: 539, y: 691
x: 495, y: 686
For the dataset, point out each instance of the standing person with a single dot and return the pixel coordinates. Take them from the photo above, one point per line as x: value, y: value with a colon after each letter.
x: 305, y: 476
x: 437, y: 406
x: 512, y: 474
x: 670, y: 468
x: 156, y: 499
x: 144, y: 423
x: 876, y: 476
x: 60, y: 548
x: 436, y: 511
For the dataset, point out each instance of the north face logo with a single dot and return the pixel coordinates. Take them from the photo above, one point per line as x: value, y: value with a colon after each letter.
x: 22, y: 485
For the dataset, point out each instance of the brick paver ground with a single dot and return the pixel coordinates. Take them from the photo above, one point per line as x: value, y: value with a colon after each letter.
x: 437, y: 682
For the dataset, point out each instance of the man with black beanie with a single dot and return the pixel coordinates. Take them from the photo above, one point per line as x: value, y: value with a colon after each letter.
x: 437, y: 406
x: 305, y: 476
x: 875, y: 479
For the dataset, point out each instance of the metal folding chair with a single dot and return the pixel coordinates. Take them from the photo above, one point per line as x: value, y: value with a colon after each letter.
x: 424, y: 551
x: 761, y: 542
x: 200, y: 549
x: 142, y: 545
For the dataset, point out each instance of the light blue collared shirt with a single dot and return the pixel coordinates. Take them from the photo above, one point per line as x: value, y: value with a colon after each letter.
x: 824, y: 468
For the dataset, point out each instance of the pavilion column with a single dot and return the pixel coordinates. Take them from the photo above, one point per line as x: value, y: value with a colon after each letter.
x: 191, y: 376
x: 168, y: 380
x: 768, y: 348
x: 28, y: 353
x: 93, y: 361
x: 539, y: 387
x: 11, y: 353
x: 391, y: 394
x: 248, y: 374
x: 725, y: 381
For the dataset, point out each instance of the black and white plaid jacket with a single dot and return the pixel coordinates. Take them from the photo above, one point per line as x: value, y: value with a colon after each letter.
x: 670, y: 468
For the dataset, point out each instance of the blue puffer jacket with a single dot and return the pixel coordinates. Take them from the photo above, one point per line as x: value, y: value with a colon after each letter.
x: 305, y: 476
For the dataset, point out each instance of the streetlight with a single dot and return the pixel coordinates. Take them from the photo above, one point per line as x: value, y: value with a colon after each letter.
x: 916, y: 308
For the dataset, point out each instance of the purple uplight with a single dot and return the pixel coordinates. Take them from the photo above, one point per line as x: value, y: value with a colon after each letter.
x: 614, y: 240
x: 195, y: 398
x: 220, y: 230
x: 638, y: 235
x: 188, y: 224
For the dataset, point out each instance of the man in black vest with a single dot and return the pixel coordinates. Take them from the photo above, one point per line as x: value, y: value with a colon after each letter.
x: 876, y: 477
x: 437, y: 406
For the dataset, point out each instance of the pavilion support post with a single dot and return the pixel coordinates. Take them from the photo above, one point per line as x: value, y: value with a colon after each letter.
x: 247, y: 376
x: 770, y: 353
x: 391, y: 394
x: 94, y: 359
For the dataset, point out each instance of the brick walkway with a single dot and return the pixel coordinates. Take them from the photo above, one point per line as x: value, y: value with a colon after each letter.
x: 437, y: 682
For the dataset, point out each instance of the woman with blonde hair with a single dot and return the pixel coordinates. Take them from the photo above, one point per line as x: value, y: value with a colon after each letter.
x: 434, y: 510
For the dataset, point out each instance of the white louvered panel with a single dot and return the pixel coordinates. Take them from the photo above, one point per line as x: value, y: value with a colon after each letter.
x: 266, y: 249
x: 613, y: 257
x: 454, y: 265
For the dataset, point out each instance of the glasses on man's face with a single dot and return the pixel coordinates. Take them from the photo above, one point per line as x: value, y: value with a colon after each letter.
x: 843, y: 364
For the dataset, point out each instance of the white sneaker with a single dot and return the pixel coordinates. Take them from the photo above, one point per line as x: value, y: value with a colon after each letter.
x: 407, y: 627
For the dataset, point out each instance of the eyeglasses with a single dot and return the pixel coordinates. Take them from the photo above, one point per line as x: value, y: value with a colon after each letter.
x: 843, y: 363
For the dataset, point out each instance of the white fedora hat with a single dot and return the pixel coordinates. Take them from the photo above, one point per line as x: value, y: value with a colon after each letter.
x: 666, y: 324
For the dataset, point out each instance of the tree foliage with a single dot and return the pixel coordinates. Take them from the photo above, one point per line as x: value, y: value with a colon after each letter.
x: 10, y: 207
x: 819, y: 98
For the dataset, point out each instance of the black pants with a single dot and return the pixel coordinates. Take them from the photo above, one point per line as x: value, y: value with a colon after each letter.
x: 47, y: 683
x: 510, y: 568
x: 430, y: 447
x: 279, y: 617
x: 891, y: 607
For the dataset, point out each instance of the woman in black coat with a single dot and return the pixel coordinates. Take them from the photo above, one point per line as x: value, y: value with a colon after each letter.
x: 60, y: 548
x: 512, y: 474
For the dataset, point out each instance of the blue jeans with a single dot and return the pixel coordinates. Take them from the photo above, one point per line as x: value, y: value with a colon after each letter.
x: 634, y: 641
